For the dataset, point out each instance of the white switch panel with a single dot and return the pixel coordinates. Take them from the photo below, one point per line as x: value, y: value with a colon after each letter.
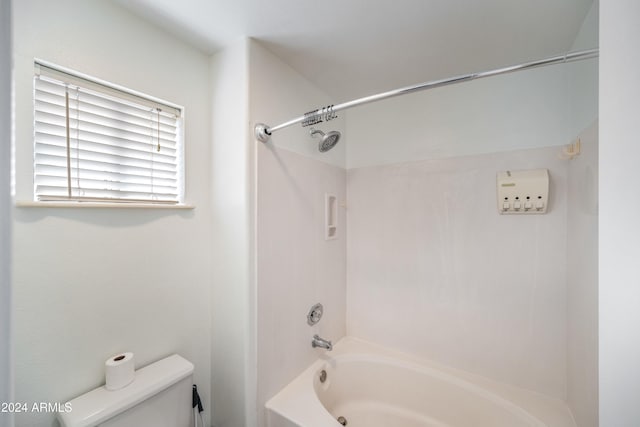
x: 523, y: 192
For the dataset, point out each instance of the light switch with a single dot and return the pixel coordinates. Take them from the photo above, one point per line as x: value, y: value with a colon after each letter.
x: 505, y: 206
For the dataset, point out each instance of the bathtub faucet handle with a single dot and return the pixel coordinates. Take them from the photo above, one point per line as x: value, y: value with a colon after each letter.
x: 322, y: 343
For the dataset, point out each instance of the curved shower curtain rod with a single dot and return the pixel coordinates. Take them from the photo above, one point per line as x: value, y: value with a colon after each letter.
x: 263, y: 132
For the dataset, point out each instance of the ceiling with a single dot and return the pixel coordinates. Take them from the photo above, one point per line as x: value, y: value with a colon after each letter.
x: 354, y: 48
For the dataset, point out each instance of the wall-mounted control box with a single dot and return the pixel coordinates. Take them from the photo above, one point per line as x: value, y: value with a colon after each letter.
x: 523, y: 192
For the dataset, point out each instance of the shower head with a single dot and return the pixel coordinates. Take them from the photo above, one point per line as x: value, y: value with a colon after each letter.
x: 328, y: 141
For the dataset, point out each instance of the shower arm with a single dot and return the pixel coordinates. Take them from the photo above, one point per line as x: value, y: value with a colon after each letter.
x: 263, y: 132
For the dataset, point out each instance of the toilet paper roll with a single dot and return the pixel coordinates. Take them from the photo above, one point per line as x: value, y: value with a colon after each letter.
x: 119, y: 371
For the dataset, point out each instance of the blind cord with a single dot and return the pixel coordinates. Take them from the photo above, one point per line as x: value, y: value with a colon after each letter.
x: 68, y: 135
x: 158, y: 110
x: 79, y: 189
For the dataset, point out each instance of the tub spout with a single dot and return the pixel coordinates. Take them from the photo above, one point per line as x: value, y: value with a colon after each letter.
x: 322, y: 343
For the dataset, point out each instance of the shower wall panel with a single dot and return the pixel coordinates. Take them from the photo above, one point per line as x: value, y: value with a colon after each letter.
x: 435, y: 270
x: 296, y: 266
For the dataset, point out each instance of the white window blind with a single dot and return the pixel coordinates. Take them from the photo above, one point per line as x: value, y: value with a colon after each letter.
x: 97, y: 143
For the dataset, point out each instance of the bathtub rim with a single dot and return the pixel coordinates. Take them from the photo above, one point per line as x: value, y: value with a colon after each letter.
x: 297, y: 399
x: 423, y: 369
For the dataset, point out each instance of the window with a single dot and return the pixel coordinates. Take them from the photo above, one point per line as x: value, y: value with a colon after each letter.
x: 95, y: 142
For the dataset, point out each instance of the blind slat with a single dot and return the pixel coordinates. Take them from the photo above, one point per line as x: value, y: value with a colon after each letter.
x: 102, y: 184
x: 100, y: 152
x: 47, y: 85
x: 104, y: 90
x: 57, y: 107
x: 110, y: 194
x: 47, y: 161
x: 111, y: 144
x: 107, y: 161
x: 125, y: 133
x: 56, y: 132
x: 106, y: 200
x: 46, y: 172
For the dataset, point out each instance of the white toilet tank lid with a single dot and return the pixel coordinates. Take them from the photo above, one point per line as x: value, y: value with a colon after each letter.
x: 99, y: 405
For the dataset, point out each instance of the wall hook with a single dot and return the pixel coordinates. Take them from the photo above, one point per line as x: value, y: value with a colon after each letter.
x: 570, y: 151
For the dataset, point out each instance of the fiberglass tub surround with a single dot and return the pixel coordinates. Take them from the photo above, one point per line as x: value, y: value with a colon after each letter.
x: 366, y: 385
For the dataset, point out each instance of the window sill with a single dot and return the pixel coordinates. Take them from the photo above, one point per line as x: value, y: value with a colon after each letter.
x: 74, y: 205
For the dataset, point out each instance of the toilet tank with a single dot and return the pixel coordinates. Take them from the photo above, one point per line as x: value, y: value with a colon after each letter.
x: 159, y: 396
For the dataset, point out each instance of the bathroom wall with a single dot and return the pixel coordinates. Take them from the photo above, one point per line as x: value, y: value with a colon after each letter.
x: 6, y: 381
x: 296, y: 266
x: 478, y: 298
x: 479, y: 291
x: 582, y: 281
x: 619, y: 293
x: 89, y: 283
x: 434, y: 270
x: 233, y: 294
x: 583, y: 76
x: 279, y: 94
x: 527, y: 109
x: 582, y: 233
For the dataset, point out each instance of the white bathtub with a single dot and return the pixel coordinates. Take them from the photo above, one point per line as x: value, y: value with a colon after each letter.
x: 371, y: 386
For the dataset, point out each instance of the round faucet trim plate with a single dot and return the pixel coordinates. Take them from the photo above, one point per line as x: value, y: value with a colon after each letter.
x: 315, y: 314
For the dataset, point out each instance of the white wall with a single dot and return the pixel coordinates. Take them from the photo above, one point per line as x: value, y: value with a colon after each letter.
x: 296, y: 266
x: 539, y: 108
x: 434, y: 270
x: 583, y: 76
x: 279, y: 94
x: 89, y: 283
x: 619, y: 294
x: 233, y: 295
x: 582, y: 281
x: 527, y: 109
x: 6, y: 60
x: 582, y: 232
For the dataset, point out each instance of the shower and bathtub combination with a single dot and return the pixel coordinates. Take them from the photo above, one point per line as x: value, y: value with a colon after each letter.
x: 362, y: 384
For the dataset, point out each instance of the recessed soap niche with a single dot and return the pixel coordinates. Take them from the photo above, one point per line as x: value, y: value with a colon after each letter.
x: 330, y: 216
x: 523, y: 192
